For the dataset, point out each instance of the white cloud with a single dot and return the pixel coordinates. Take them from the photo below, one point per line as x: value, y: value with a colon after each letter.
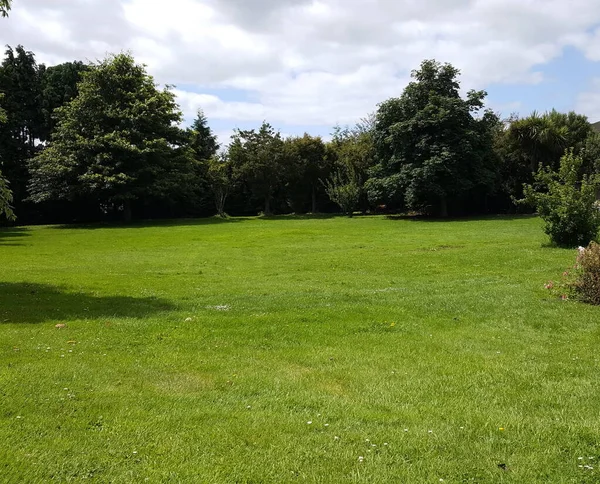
x: 308, y: 62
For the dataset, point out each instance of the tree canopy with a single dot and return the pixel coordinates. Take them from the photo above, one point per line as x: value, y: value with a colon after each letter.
x: 202, y: 140
x: 432, y: 144
x: 309, y: 165
x: 258, y: 159
x: 116, y: 142
x: 20, y: 84
x: 58, y: 86
x: 99, y: 141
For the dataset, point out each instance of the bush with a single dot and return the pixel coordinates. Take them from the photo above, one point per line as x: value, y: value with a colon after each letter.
x: 343, y: 190
x: 588, y: 284
x: 566, y: 201
x: 583, y: 281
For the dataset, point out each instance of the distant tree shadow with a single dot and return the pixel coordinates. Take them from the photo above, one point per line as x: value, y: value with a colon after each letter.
x: 200, y: 221
x: 22, y: 302
x: 156, y: 223
x: 466, y: 218
x: 12, y: 235
x: 301, y: 216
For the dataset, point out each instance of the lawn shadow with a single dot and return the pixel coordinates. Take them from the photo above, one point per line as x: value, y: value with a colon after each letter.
x: 466, y: 218
x: 23, y: 302
x: 179, y: 222
x: 549, y: 244
x: 11, y: 236
x: 199, y: 222
x: 306, y: 216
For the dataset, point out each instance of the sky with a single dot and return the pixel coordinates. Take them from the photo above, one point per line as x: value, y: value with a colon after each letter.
x: 307, y: 65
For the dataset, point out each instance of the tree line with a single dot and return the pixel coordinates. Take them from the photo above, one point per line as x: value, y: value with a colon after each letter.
x: 86, y: 142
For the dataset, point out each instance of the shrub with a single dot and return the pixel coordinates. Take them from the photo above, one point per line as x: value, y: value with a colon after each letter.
x: 566, y: 201
x: 583, y: 281
x: 588, y: 284
x: 343, y: 190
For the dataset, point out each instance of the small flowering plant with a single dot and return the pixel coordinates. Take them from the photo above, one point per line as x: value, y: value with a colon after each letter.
x: 582, y: 281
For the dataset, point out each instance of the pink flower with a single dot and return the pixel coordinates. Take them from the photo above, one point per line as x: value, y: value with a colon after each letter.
x: 550, y: 285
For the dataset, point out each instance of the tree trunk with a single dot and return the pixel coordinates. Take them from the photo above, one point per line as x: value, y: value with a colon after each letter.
x: 220, y: 198
x: 268, y: 206
x: 314, y: 200
x: 127, y: 216
x: 443, y: 207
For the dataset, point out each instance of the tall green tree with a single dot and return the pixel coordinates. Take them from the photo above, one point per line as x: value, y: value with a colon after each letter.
x: 58, y: 86
x: 202, y: 140
x: 221, y: 180
x: 308, y: 166
x: 541, y: 140
x: 20, y: 84
x: 117, y: 142
x: 258, y: 158
x: 431, y: 144
x: 5, y: 193
x: 203, y: 146
x: 6, y: 198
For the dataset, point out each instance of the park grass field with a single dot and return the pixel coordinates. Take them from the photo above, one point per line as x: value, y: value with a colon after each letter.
x: 290, y: 349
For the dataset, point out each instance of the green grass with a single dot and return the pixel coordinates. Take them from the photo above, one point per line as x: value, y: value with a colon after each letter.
x: 199, y: 351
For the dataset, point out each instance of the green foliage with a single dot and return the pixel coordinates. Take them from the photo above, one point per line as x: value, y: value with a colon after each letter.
x: 385, y: 190
x: 116, y: 142
x: 542, y: 139
x: 352, y: 152
x: 58, y: 87
x: 354, y: 149
x: 258, y: 160
x: 5, y: 6
x: 221, y: 180
x: 3, y: 115
x: 20, y: 83
x: 344, y: 190
x: 5, y: 193
x: 117, y: 146
x: 433, y: 143
x: 588, y: 283
x: 308, y: 164
x: 201, y: 138
x: 590, y: 153
x: 566, y: 201
x: 6, y: 198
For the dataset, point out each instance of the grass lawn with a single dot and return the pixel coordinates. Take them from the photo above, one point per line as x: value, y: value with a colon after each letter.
x: 326, y: 350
